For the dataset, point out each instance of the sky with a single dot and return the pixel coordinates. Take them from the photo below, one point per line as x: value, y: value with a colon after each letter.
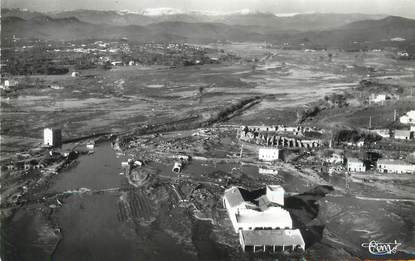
x: 404, y: 8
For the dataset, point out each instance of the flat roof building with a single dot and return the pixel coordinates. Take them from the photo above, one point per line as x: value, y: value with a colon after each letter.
x: 403, y: 134
x: 376, y: 98
x: 355, y: 165
x: 394, y: 166
x: 268, y: 154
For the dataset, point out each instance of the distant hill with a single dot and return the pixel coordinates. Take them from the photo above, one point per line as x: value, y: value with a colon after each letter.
x: 106, y: 17
x: 73, y: 28
x: 267, y: 21
x: 367, y: 32
x: 24, y: 14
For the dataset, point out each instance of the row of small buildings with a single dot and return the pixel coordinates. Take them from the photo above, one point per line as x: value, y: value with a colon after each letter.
x: 352, y: 164
x: 270, y: 137
x: 382, y: 166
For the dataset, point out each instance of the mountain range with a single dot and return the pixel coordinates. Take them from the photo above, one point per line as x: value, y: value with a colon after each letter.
x: 318, y: 29
x: 299, y: 22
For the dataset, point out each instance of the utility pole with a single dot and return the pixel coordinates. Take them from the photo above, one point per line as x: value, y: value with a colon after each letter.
x: 347, y: 185
x: 370, y: 122
x: 394, y: 115
x: 242, y: 147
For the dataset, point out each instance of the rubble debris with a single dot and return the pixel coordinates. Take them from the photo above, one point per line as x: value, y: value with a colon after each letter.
x: 177, y: 167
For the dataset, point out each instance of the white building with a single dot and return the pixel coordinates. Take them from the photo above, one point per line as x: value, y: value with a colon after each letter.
x: 403, y: 134
x: 10, y: 83
x: 377, y: 98
x: 408, y: 118
x: 355, y: 165
x: 335, y: 159
x: 90, y: 145
x: 52, y: 137
x: 403, y: 54
x: 268, y: 154
x: 360, y: 143
x: 395, y: 166
x: 275, y: 194
x: 266, y: 171
x: 261, y: 222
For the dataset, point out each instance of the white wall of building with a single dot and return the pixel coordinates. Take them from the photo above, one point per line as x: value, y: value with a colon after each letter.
x: 48, y: 137
x: 275, y: 194
x: 268, y: 154
x: 356, y: 166
x: 401, y: 168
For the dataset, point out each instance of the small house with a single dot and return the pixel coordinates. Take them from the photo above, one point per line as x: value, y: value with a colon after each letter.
x: 377, y: 98
x: 268, y: 154
x: 10, y: 83
x: 125, y: 164
x: 335, y: 159
x: 90, y: 145
x: 355, y: 165
x: 360, y: 143
x: 403, y: 134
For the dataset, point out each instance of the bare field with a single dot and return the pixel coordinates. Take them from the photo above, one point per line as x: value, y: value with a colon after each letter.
x: 124, y: 97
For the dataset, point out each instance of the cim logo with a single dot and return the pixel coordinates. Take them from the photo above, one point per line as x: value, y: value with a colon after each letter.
x: 381, y: 249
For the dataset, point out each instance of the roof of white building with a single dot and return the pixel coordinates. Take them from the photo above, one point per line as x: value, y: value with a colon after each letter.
x: 392, y: 162
x: 264, y: 150
x: 354, y: 160
x: 270, y: 217
x: 403, y: 132
x: 286, y: 237
x: 234, y: 197
x: 272, y: 195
